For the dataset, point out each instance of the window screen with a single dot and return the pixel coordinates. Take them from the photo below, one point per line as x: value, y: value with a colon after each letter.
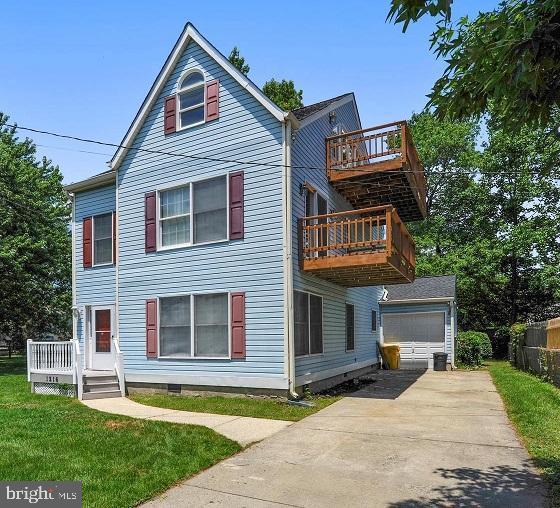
x: 308, y: 323
x: 349, y: 327
x: 175, y: 216
x: 211, y: 325
x: 210, y: 210
x: 315, y: 324
x: 373, y: 320
x: 301, y: 323
x: 103, y: 239
x: 175, y: 326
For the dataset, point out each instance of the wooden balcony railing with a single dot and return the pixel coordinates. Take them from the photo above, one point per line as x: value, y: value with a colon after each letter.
x: 358, y: 238
x: 387, y: 146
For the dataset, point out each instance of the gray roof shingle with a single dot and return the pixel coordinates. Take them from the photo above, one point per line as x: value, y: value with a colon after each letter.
x: 305, y: 111
x: 423, y: 288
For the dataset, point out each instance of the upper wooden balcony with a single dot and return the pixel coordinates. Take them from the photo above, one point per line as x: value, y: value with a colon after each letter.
x: 378, y: 166
x: 366, y: 247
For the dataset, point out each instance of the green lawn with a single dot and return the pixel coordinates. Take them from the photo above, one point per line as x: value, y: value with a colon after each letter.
x: 121, y: 461
x: 257, y: 407
x: 534, y: 408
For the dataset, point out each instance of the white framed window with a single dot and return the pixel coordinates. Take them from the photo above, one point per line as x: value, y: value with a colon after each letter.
x: 175, y: 216
x: 102, y: 239
x: 194, y: 326
x: 190, y: 100
x: 308, y: 324
x: 193, y: 213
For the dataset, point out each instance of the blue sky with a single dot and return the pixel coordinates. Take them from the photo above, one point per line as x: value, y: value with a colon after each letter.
x: 83, y: 68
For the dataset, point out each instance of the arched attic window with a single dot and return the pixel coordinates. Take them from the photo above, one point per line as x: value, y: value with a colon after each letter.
x: 191, y: 99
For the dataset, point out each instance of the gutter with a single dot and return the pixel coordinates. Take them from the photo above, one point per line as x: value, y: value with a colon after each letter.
x: 289, y: 357
x: 419, y: 300
x: 91, y: 183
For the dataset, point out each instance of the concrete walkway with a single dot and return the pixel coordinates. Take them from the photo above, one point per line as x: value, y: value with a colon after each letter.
x: 242, y: 429
x: 437, y: 439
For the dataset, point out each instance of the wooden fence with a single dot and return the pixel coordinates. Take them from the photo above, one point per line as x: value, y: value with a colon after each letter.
x: 537, y: 350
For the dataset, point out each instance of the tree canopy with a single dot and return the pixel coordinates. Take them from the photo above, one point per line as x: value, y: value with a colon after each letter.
x: 238, y: 61
x: 494, y: 211
x: 35, y: 242
x: 283, y: 94
x: 507, y: 60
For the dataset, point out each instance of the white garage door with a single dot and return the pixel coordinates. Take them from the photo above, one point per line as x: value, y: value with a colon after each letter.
x: 420, y: 335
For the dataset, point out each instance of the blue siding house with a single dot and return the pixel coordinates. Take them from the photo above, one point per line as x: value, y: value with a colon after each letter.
x: 236, y: 246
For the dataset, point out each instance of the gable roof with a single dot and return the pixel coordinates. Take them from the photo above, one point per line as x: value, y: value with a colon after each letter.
x: 305, y: 111
x: 423, y: 288
x: 190, y: 33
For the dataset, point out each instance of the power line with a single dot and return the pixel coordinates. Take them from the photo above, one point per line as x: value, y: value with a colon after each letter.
x: 207, y: 158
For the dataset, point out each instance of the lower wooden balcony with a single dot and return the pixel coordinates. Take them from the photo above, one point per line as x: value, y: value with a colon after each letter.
x: 376, y: 166
x: 365, y: 247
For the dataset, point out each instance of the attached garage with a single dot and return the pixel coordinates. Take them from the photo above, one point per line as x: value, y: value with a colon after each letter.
x: 421, y: 318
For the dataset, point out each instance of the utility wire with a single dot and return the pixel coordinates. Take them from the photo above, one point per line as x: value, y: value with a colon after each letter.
x: 214, y: 159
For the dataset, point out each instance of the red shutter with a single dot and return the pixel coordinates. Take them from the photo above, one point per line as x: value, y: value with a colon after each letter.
x: 151, y: 328
x: 150, y: 221
x: 212, y: 100
x: 169, y: 114
x: 114, y: 238
x: 86, y: 242
x: 236, y: 227
x: 238, y: 325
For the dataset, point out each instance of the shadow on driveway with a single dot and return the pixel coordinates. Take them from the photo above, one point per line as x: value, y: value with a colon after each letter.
x: 388, y: 384
x: 497, y: 486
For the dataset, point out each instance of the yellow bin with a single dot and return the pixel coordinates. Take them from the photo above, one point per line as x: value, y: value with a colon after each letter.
x: 392, y: 355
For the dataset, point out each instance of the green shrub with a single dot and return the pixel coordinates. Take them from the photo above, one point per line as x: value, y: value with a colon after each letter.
x: 473, y: 347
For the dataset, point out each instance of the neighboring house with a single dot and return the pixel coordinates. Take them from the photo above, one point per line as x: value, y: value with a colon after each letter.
x: 236, y: 246
x: 422, y: 318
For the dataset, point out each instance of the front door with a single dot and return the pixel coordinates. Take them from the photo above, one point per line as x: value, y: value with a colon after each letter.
x: 101, y: 339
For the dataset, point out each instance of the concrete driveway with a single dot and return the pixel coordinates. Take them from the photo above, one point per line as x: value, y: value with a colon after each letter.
x: 409, y: 439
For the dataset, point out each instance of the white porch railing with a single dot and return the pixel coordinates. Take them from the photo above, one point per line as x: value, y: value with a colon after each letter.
x: 62, y: 358
x: 50, y: 357
x: 119, y: 365
x: 66, y: 358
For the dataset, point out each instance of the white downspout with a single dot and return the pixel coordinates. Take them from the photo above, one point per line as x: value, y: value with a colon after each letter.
x: 74, y: 307
x: 453, y: 312
x: 289, y: 357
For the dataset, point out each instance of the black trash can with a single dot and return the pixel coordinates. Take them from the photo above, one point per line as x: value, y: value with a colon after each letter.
x: 440, y: 361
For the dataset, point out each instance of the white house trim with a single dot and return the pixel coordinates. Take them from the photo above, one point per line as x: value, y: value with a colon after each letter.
x: 191, y: 33
x: 418, y: 300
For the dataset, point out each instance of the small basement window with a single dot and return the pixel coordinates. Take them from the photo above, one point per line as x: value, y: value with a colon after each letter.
x: 191, y: 100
